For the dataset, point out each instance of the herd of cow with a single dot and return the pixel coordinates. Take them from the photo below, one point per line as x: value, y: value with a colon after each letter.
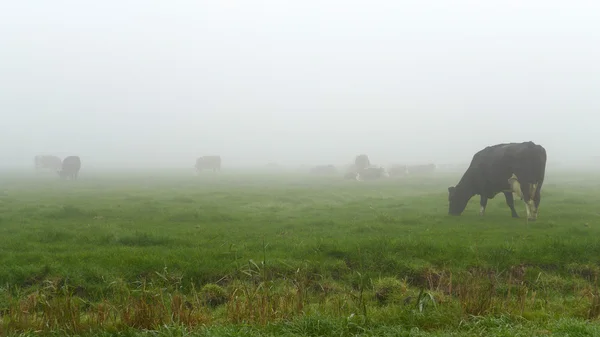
x: 509, y: 168
x: 362, y: 169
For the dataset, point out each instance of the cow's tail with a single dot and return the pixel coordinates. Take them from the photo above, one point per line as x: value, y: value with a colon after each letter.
x: 541, y: 165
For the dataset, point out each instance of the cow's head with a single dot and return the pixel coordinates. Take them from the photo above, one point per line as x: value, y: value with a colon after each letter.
x: 457, y: 201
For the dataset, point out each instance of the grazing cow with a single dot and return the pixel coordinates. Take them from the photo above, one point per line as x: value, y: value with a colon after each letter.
x: 371, y: 173
x: 323, y: 169
x: 70, y: 167
x: 208, y: 162
x: 361, y: 162
x: 509, y: 168
x: 47, y: 162
x: 420, y: 169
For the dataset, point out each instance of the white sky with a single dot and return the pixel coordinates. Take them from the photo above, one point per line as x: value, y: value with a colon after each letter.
x: 296, y: 81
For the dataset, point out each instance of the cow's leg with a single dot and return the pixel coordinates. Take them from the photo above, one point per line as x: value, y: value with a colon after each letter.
x: 483, y: 203
x: 526, y: 190
x: 537, y: 198
x: 534, y: 200
x: 510, y: 201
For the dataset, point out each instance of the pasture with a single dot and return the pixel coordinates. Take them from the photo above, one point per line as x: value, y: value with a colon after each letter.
x: 282, y: 254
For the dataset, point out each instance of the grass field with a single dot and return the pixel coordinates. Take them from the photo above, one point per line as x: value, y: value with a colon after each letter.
x: 241, y: 254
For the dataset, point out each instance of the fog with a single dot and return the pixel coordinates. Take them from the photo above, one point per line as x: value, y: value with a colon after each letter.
x: 159, y: 83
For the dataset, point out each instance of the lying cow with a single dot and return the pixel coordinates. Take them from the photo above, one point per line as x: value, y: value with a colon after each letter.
x: 371, y: 173
x: 398, y: 170
x: 323, y: 169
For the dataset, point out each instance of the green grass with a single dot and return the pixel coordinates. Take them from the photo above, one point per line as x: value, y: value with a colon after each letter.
x: 289, y: 254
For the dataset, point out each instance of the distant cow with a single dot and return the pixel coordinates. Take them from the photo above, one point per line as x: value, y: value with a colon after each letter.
x: 70, y: 168
x: 420, y: 169
x: 323, y: 169
x: 47, y: 162
x: 398, y: 170
x: 509, y: 168
x: 352, y: 175
x: 209, y: 163
x: 361, y: 162
x: 371, y: 173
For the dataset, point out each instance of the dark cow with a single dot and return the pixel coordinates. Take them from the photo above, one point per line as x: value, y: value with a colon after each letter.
x: 70, y: 168
x: 209, y: 163
x: 507, y: 168
x: 47, y: 162
x: 420, y: 169
x: 323, y: 169
x: 361, y: 162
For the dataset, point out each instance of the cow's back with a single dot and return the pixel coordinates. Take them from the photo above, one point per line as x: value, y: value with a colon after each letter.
x: 491, y: 167
x: 71, y: 164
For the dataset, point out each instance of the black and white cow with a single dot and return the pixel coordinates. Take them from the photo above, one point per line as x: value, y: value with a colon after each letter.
x: 509, y: 168
x: 208, y: 162
x: 70, y: 167
x: 361, y: 162
x: 47, y: 162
